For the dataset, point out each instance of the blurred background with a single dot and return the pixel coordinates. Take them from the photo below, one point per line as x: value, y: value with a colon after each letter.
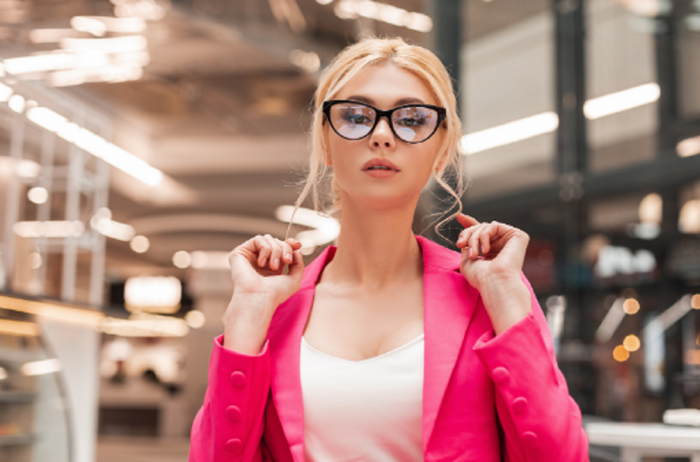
x: 142, y: 140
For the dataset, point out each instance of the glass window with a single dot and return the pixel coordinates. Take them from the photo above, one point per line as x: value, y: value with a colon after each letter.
x: 507, y: 96
x: 621, y: 89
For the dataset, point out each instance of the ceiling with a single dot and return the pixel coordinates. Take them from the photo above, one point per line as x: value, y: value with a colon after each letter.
x: 220, y: 109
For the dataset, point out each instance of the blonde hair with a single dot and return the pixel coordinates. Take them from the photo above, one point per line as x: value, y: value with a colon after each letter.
x: 374, y: 52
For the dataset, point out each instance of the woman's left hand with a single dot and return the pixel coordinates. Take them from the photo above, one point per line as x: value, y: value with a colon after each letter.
x: 492, y: 261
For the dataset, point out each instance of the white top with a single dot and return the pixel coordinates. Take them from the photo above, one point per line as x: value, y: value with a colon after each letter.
x: 370, y: 410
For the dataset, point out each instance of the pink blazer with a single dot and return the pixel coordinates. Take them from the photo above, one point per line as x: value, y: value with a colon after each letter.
x: 485, y: 398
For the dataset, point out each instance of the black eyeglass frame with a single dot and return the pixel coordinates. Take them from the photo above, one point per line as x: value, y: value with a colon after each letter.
x: 441, y: 112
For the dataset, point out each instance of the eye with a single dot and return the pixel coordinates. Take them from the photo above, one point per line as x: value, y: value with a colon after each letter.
x: 357, y: 118
x: 412, y: 121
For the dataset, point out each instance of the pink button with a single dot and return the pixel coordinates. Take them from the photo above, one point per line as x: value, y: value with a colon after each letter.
x: 234, y: 445
x: 238, y: 379
x: 233, y: 413
x: 501, y: 375
x: 520, y: 405
x: 530, y: 438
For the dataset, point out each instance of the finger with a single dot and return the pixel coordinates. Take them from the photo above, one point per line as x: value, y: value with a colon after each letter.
x: 296, y: 269
x: 287, y: 250
x: 296, y: 245
x: 466, y: 220
x: 274, y: 263
x: 490, y: 234
x: 263, y: 249
x: 474, y: 239
x: 464, y: 236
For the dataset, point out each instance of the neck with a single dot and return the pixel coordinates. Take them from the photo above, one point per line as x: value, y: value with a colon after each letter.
x: 376, y: 248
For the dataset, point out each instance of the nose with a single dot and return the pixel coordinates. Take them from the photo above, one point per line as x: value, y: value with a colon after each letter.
x: 382, y: 136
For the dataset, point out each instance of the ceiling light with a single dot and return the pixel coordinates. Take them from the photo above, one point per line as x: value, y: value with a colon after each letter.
x: 44, y: 366
x: 621, y: 101
x: 51, y: 229
x: 182, y: 259
x: 350, y: 9
x: 89, y: 25
x: 158, y: 294
x: 689, y: 147
x: 5, y: 92
x: 38, y: 195
x: 140, y: 244
x: 307, y: 60
x: 110, y: 228
x: 547, y: 122
x: 195, y: 319
x: 106, y: 45
x: 326, y: 228
x: 16, y: 103
x: 28, y: 169
x: 46, y: 118
x: 511, y: 132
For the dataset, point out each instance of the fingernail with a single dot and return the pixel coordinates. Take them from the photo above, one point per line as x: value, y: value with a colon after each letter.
x: 262, y: 263
x: 277, y: 263
x: 288, y: 256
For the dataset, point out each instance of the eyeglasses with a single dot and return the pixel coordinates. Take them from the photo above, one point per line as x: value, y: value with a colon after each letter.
x: 412, y: 123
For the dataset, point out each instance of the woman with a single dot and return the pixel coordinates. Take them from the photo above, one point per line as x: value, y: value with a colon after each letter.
x: 388, y: 347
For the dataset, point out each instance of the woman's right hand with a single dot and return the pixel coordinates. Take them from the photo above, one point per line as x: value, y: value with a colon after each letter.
x: 257, y: 267
x: 259, y: 286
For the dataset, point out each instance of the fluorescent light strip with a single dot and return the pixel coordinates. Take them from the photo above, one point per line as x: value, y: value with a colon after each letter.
x: 95, y: 145
x: 53, y: 229
x: 548, y: 122
x: 350, y: 9
x: 621, y: 101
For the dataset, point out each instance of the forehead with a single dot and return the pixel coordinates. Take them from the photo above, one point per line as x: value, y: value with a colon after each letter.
x: 386, y: 86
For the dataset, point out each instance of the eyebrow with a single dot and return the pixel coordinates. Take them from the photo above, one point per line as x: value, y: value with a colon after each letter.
x: 399, y: 102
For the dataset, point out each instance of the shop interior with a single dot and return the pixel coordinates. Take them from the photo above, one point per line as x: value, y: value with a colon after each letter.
x: 142, y: 140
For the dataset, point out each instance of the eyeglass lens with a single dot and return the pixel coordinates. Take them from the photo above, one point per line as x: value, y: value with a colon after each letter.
x: 412, y: 124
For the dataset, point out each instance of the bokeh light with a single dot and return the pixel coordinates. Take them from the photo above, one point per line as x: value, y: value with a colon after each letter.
x: 631, y: 306
x: 631, y: 343
x: 621, y: 354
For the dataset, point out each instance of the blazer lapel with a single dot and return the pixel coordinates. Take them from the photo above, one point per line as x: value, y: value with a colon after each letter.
x: 448, y: 305
x: 285, y: 332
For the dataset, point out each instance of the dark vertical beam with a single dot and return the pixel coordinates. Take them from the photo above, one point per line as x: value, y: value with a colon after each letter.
x: 571, y: 165
x: 447, y: 37
x: 570, y: 78
x: 666, y: 77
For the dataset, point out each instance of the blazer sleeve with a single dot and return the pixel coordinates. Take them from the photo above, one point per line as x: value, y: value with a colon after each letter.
x: 230, y: 423
x: 540, y: 420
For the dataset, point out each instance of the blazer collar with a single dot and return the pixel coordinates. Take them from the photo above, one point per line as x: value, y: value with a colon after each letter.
x: 448, y: 304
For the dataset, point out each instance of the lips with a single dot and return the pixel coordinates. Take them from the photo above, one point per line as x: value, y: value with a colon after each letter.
x: 378, y: 164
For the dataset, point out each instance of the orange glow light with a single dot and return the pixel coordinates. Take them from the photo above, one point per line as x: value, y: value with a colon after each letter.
x: 620, y: 353
x: 631, y: 306
x: 631, y: 343
x: 695, y: 302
